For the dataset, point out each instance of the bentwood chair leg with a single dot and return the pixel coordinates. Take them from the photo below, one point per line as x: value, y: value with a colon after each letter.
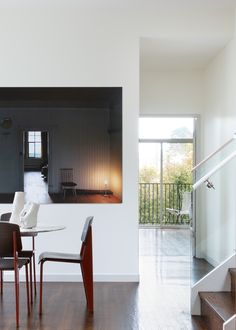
x: 34, y: 267
x: 41, y: 289
x: 27, y: 288
x: 17, y: 296
x: 1, y: 279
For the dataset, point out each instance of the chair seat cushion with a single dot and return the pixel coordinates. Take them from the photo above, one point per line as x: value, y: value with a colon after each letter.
x: 68, y: 184
x: 26, y: 254
x: 61, y: 257
x: 8, y: 263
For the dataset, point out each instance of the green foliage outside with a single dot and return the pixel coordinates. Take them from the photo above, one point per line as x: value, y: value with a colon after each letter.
x: 178, y: 164
x: 177, y: 178
x: 148, y: 174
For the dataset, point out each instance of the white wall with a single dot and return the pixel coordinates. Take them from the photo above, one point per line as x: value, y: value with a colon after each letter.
x: 171, y: 92
x: 217, y: 216
x: 67, y: 46
x: 60, y: 43
x: 210, y: 93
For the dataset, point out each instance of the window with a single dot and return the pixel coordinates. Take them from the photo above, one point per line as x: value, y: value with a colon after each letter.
x: 34, y: 142
x: 165, y: 128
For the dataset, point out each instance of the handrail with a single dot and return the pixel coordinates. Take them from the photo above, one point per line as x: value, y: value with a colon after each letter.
x: 216, y: 168
x: 213, y: 153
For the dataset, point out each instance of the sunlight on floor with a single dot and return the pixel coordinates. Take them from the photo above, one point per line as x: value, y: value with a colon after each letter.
x: 165, y: 277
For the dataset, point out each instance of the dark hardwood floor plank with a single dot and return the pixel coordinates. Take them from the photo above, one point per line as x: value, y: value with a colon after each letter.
x: 159, y: 302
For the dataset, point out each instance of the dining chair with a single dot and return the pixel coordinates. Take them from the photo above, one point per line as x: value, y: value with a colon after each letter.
x: 67, y: 181
x: 23, y: 254
x: 84, y: 258
x: 185, y: 206
x: 10, y: 248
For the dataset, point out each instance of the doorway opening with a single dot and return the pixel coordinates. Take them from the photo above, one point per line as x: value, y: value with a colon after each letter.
x: 36, y: 170
x: 166, y: 152
x: 166, y: 215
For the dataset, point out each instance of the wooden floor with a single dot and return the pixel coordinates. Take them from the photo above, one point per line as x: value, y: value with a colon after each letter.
x: 36, y: 190
x: 159, y: 302
x: 85, y: 198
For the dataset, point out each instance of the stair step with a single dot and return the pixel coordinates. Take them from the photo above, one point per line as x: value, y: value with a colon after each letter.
x: 232, y: 272
x: 199, y: 323
x: 217, y: 307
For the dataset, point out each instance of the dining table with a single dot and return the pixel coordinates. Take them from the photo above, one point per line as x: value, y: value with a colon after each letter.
x: 40, y: 228
x: 33, y: 232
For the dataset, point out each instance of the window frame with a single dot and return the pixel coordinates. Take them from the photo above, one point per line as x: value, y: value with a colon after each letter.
x: 34, y: 143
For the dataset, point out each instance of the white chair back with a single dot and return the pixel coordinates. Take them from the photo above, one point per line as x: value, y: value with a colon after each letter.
x: 186, y: 202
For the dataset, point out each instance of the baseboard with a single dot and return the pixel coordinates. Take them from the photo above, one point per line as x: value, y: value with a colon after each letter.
x: 78, y: 278
x: 210, y: 260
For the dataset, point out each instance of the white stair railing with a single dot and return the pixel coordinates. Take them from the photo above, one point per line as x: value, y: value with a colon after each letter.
x: 205, y: 177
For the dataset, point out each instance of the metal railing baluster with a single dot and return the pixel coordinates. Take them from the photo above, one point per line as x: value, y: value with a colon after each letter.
x: 149, y: 202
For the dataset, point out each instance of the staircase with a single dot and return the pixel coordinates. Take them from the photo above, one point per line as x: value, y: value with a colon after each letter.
x: 216, y: 307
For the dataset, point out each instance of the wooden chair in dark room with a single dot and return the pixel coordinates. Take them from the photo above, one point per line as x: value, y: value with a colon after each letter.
x: 10, y: 246
x: 23, y: 254
x: 85, y: 259
x: 67, y: 181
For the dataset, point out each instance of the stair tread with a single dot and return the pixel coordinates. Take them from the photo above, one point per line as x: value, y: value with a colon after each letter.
x: 198, y: 323
x: 223, y: 303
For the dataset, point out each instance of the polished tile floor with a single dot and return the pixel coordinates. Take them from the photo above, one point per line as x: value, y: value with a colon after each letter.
x: 165, y: 277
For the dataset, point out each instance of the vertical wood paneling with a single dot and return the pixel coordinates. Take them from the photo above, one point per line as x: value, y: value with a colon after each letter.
x: 79, y: 139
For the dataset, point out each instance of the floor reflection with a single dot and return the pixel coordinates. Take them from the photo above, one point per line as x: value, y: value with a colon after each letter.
x: 166, y: 273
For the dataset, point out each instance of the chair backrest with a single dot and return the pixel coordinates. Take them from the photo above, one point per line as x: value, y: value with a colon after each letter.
x: 6, y: 239
x: 5, y: 216
x: 186, y: 201
x: 87, y: 225
x: 66, y: 174
x: 86, y: 250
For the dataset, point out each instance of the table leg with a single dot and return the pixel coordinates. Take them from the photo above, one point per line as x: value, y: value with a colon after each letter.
x: 34, y: 268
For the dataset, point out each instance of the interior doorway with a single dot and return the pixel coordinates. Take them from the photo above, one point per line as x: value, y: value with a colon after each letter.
x: 166, y: 217
x: 35, y: 164
x: 166, y: 156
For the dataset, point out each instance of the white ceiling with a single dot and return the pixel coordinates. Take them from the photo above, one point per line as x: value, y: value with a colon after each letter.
x: 159, y: 3
x: 163, y: 54
x: 126, y: 4
x: 178, y: 54
x: 181, y: 53
x: 196, y: 3
x: 132, y: 4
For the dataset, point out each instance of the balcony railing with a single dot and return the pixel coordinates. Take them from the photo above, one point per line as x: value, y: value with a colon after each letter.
x: 152, y: 209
